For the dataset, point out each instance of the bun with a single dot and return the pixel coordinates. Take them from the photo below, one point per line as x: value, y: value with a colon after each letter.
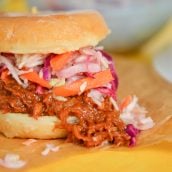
x: 57, y: 33
x: 22, y: 126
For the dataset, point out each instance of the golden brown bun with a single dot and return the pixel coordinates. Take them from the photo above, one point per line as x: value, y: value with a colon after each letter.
x: 22, y: 126
x: 57, y: 33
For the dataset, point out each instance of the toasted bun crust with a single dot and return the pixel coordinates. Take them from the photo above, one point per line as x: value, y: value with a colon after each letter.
x: 58, y: 33
x: 22, y: 126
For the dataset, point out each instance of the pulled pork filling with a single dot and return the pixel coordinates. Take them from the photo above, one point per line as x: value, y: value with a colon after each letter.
x: 85, y: 121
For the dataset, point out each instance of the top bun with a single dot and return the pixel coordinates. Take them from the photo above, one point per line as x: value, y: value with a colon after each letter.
x: 55, y: 33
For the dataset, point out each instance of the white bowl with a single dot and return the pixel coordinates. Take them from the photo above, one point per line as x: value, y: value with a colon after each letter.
x: 133, y: 25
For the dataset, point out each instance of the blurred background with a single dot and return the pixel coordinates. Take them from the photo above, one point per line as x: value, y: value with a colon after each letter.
x: 144, y: 26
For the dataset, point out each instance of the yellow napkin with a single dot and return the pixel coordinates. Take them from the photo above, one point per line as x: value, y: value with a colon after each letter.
x: 155, y: 158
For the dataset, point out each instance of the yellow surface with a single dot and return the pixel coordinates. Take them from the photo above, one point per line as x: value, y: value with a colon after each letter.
x: 156, y: 158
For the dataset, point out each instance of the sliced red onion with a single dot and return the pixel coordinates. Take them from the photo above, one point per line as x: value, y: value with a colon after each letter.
x: 88, y: 74
x: 78, y: 68
x: 93, y: 68
x: 87, y: 51
x: 104, y: 62
x: 73, y: 78
x: 90, y: 55
x: 81, y: 59
x: 106, y: 91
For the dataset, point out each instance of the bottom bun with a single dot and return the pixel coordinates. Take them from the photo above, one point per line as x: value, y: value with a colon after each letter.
x: 23, y: 126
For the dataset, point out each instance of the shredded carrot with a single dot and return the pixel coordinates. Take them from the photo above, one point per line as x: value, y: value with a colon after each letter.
x: 99, y: 79
x: 60, y: 60
x: 127, y: 100
x: 34, y: 77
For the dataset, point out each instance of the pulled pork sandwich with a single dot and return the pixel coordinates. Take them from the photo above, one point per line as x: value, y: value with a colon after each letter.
x: 54, y: 82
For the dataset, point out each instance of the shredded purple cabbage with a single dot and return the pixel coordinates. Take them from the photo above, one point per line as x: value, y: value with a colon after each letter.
x: 112, y: 68
x: 46, y: 69
x: 46, y: 73
x: 132, y: 141
x: 113, y: 71
x: 47, y: 60
x: 132, y: 132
